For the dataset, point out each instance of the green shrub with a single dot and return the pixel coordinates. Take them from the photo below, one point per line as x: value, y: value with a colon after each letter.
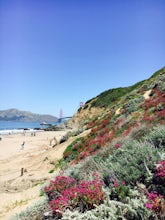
x: 133, y: 104
x: 132, y: 162
x: 51, y: 171
x: 85, y: 106
x: 62, y: 164
x: 112, y: 210
x: 139, y: 133
x: 71, y: 151
x: 157, y: 136
x: 35, y: 212
x: 108, y: 97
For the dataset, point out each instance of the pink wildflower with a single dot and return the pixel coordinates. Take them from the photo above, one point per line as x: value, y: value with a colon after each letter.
x: 148, y: 205
x: 115, y: 184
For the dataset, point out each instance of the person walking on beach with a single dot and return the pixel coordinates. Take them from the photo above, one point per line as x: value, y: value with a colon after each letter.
x: 22, y: 145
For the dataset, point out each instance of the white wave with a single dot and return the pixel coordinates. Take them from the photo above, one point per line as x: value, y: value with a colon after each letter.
x: 17, y: 131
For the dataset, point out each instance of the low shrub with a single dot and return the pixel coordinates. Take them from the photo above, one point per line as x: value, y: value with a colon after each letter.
x: 64, y: 192
x: 134, y: 161
x: 119, y: 191
x: 59, y: 184
x: 160, y: 170
x: 156, y: 203
x: 112, y: 210
x: 133, y: 104
x: 140, y: 132
x: 157, y: 136
x: 35, y: 212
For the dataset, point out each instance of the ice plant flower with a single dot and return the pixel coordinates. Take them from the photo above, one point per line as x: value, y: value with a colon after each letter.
x: 160, y: 169
x: 154, y: 202
x: 149, y: 205
x: 64, y: 192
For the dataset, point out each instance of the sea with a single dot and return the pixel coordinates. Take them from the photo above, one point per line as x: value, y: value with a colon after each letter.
x: 11, y: 127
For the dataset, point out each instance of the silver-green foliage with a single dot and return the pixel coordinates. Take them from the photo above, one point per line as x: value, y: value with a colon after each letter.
x: 112, y: 210
x: 132, y: 105
x: 32, y: 212
x: 132, y: 161
x: 157, y: 136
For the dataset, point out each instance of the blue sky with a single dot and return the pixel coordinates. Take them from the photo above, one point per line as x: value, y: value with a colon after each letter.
x: 55, y: 54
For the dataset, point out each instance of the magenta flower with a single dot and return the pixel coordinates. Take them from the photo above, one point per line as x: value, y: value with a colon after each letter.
x: 64, y: 192
x: 160, y: 170
x: 148, y: 205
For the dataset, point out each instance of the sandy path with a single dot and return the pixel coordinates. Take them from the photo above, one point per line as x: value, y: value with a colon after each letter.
x: 16, y: 191
x: 147, y: 94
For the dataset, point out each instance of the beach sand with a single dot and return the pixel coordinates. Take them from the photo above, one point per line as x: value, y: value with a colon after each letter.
x: 37, y: 159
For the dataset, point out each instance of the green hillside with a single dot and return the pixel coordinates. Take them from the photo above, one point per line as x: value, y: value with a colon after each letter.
x: 117, y: 170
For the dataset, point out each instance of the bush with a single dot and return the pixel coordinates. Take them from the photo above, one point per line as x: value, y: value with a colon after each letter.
x: 156, y: 204
x: 72, y: 150
x: 35, y: 212
x: 160, y: 169
x: 132, y: 162
x: 157, y: 136
x: 140, y: 133
x: 108, y: 97
x: 112, y: 210
x: 121, y: 166
x: 133, y: 104
x: 64, y: 192
x: 59, y: 184
x: 119, y: 191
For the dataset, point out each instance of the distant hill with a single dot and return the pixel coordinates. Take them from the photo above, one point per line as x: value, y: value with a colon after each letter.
x: 24, y: 116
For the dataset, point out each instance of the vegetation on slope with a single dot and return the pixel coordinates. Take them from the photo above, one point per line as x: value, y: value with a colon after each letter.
x: 111, y: 99
x: 118, y: 182
x: 133, y: 113
x: 117, y: 171
x: 106, y: 98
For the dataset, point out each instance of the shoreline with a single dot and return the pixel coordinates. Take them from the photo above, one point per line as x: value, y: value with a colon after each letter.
x: 11, y: 143
x: 19, y: 131
x: 37, y: 158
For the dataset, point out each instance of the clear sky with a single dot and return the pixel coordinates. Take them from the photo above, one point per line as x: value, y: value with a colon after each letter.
x: 55, y: 54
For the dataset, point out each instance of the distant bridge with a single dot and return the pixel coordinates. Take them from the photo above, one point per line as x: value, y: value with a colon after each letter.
x: 59, y: 120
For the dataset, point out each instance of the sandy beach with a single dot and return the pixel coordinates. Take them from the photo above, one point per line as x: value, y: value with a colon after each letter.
x: 35, y: 160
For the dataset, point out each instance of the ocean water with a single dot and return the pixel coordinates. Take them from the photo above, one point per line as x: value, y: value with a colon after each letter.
x: 9, y: 127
